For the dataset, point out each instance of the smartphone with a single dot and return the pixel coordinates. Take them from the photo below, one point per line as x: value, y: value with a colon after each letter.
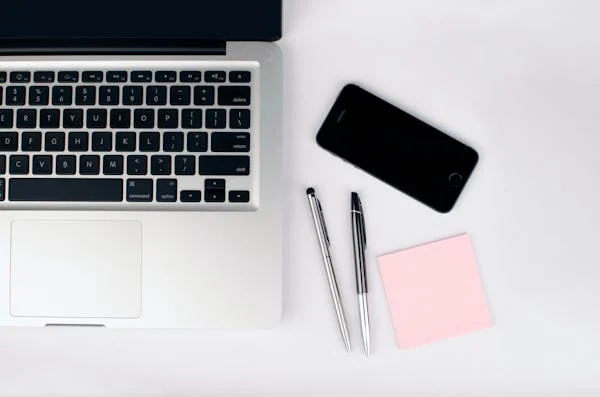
x: 397, y: 148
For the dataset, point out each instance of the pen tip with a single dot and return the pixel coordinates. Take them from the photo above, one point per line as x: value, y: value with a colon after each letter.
x: 310, y: 190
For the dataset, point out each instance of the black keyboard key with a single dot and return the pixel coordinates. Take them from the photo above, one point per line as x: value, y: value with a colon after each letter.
x: 137, y: 165
x: 96, y: 118
x: 112, y: 165
x: 68, y: 77
x: 214, y: 76
x: 2, y: 77
x: 101, y: 141
x: 62, y: 95
x: 139, y: 190
x: 143, y: 118
x: 78, y: 141
x: 26, y: 118
x: 92, y: 77
x: 49, y: 118
x: 190, y: 76
x: 191, y: 118
x: 89, y: 165
x: 156, y: 95
x: 163, y: 76
x: 132, y: 95
x: 6, y: 118
x: 168, y: 118
x: 73, y: 118
x: 31, y: 141
x: 65, y: 165
x: 39, y: 95
x: 216, y: 118
x: 2, y: 188
x: 65, y: 189
x: 149, y: 142
x: 214, y: 196
x: 54, y: 141
x: 224, y: 165
x: 166, y: 190
x: 15, y: 96
x: 173, y: 141
x: 239, y: 196
x: 116, y: 76
x: 204, y: 95
x: 109, y: 95
x: 230, y: 142
x: 160, y: 165
x: 18, y: 165
x: 43, y: 77
x: 42, y: 165
x: 180, y: 95
x: 185, y: 165
x: 190, y: 196
x: 214, y: 184
x: 8, y: 142
x: 120, y: 118
x: 85, y: 95
x: 2, y: 164
x: 125, y: 142
x: 141, y: 76
x: 233, y: 95
x: 20, y: 77
x: 239, y: 118
x: 197, y: 142
x: 238, y: 76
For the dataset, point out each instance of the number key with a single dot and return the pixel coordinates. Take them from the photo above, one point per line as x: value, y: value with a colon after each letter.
x: 85, y: 95
x: 132, y: 95
x: 15, y: 95
x: 109, y: 95
x: 156, y: 95
x: 62, y: 95
x: 39, y: 95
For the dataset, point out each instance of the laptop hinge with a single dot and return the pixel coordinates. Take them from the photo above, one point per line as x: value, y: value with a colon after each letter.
x: 111, y: 46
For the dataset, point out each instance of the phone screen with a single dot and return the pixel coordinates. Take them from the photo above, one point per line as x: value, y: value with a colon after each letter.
x: 397, y: 148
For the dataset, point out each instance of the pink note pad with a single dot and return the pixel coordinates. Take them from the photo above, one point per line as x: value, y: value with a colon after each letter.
x: 434, y: 291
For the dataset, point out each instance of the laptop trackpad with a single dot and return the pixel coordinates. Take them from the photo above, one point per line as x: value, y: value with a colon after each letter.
x: 76, y: 269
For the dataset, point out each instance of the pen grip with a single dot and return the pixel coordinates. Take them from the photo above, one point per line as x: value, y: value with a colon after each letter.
x: 359, y: 254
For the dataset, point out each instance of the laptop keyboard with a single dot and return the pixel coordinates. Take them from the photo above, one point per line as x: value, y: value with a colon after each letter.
x: 138, y: 138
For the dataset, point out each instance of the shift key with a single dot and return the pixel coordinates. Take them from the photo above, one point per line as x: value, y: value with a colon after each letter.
x: 224, y: 165
x: 234, y: 95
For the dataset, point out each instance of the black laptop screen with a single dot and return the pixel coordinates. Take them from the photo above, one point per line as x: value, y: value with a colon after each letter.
x: 168, y: 19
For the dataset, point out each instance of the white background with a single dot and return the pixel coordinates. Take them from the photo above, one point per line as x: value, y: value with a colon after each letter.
x: 517, y: 80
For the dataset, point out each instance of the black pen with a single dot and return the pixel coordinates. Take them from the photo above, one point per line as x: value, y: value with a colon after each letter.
x: 359, y: 242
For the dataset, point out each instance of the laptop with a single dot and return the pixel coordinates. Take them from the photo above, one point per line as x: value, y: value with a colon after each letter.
x: 140, y: 169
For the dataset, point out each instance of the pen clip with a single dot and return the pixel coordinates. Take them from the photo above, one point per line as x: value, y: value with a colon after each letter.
x: 322, y: 220
x: 363, y: 230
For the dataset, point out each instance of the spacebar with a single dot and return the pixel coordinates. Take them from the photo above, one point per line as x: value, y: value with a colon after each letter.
x: 65, y: 189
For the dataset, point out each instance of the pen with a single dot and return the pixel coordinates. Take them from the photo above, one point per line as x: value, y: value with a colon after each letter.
x: 323, y: 237
x: 359, y: 242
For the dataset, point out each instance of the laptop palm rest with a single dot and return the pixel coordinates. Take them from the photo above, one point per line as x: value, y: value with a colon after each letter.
x: 76, y: 269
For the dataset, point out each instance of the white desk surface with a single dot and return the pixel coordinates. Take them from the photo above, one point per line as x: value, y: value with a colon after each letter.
x: 519, y: 81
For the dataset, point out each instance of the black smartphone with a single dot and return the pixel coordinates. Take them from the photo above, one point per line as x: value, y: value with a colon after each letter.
x: 397, y: 148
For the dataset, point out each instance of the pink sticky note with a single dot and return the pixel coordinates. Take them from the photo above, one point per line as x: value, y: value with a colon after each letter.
x: 434, y: 291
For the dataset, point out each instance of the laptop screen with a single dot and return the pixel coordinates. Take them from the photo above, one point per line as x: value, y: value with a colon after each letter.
x: 169, y: 19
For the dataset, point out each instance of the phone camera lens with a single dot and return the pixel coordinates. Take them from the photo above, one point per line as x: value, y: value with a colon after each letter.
x: 455, y: 179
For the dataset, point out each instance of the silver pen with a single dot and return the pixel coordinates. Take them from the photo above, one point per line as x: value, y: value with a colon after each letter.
x: 323, y: 237
x: 359, y: 242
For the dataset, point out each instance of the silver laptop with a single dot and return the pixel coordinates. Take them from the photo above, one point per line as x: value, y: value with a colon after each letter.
x: 140, y: 169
